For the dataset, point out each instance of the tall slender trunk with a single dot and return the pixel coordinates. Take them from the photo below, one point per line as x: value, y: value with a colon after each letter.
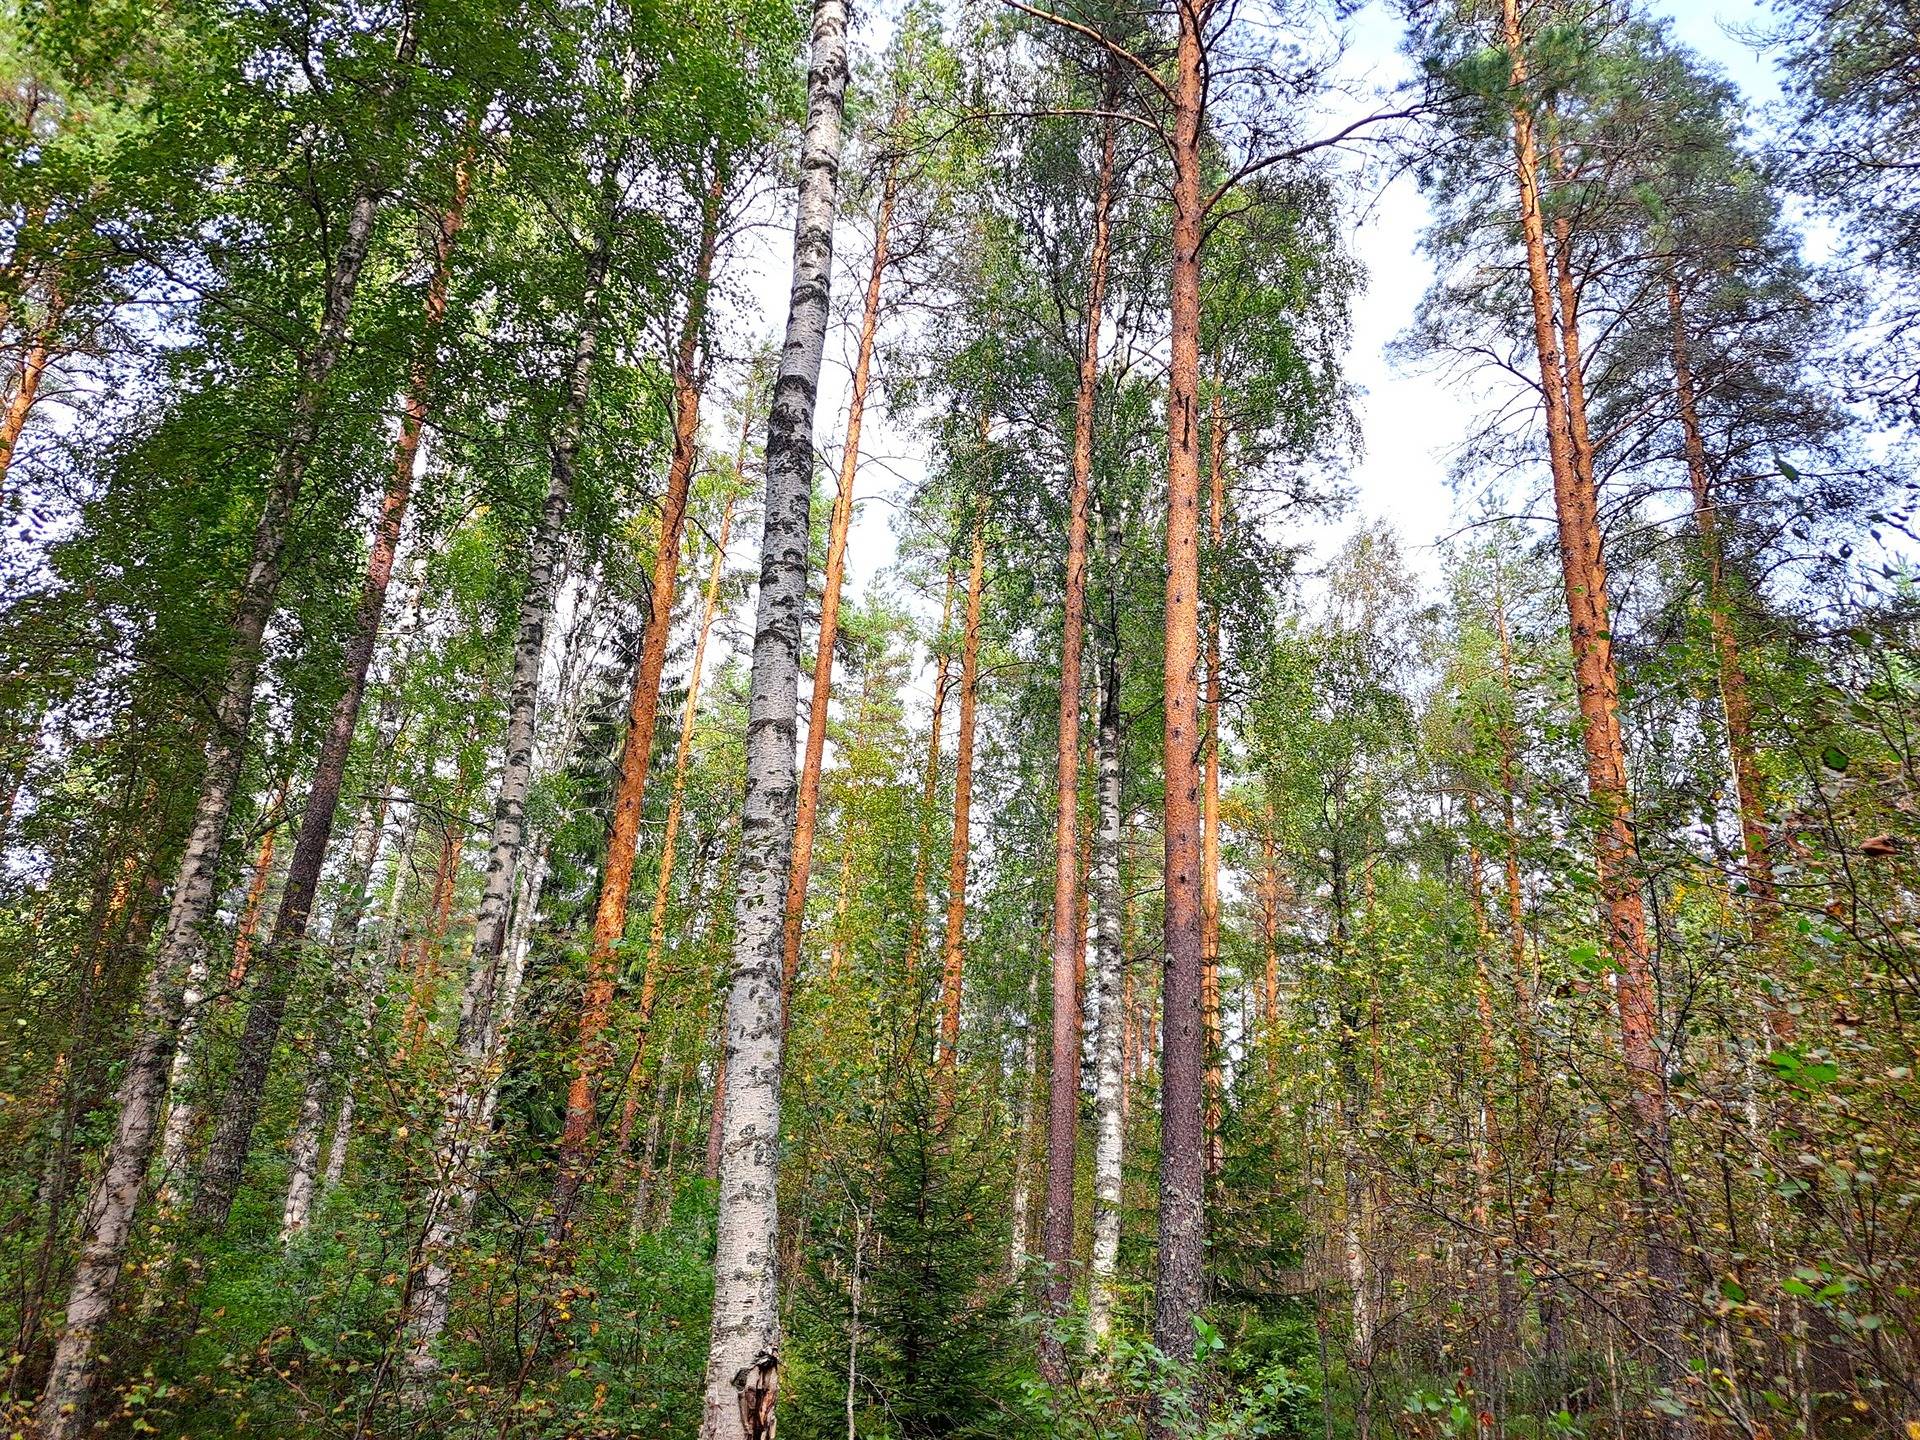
x: 1597, y: 682
x: 1109, y: 971
x: 629, y: 797
x: 1735, y: 702
x: 110, y: 1209
x: 743, y: 1352
x: 279, y: 964
x: 1271, y: 897
x: 669, y: 842
x: 1066, y: 951
x: 429, y: 946
x: 929, y: 790
x: 345, y: 982
x: 1023, y: 1139
x: 1510, y: 830
x: 1497, y: 1280
x: 807, y: 814
x: 462, y: 1136
x: 183, y: 1113
x: 33, y: 369
x: 953, y: 948
x: 257, y: 884
x: 1210, y: 794
x: 1179, y: 1282
x: 373, y: 991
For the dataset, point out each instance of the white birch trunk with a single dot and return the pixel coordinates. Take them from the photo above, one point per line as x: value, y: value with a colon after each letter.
x: 744, y: 1347
x: 1023, y: 1143
x: 1108, y: 979
x: 461, y: 1137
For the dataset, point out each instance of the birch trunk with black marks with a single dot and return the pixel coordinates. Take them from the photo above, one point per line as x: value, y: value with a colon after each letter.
x: 1109, y: 982
x: 744, y: 1343
x: 476, y: 1054
x: 1067, y: 951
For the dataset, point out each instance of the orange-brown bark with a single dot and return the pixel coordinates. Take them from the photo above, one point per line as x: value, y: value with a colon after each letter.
x: 257, y: 884
x: 807, y: 812
x: 953, y: 950
x: 429, y: 946
x: 929, y: 789
x: 616, y: 872
x: 26, y: 390
x: 1735, y: 700
x: 669, y: 841
x: 1596, y: 680
x: 1179, y: 1281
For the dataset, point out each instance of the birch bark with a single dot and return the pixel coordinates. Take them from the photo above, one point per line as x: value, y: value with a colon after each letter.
x: 1109, y: 972
x: 744, y: 1345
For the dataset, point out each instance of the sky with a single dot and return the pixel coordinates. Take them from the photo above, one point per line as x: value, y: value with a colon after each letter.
x: 1410, y: 422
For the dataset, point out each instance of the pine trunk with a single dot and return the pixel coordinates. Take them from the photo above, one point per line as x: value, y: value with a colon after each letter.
x: 1597, y: 682
x: 1735, y: 701
x: 1179, y: 1281
x: 929, y: 790
x: 110, y: 1209
x: 742, y: 1372
x: 629, y: 798
x: 669, y: 841
x: 953, y: 948
x: 26, y: 390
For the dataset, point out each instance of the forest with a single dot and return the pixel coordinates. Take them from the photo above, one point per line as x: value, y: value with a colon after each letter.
x: 710, y: 723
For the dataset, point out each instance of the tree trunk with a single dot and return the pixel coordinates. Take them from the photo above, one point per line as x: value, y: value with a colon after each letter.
x: 240, y: 1109
x: 795, y: 914
x: 33, y: 369
x: 183, y: 1114
x: 1023, y: 1139
x: 1179, y: 1281
x: 744, y: 1346
x: 1110, y: 967
x: 629, y: 797
x: 683, y: 753
x: 429, y: 947
x: 110, y: 1209
x: 1210, y: 795
x: 256, y: 900
x: 373, y: 992
x: 929, y: 790
x: 323, y: 1074
x: 1066, y: 951
x: 953, y: 948
x: 1735, y: 701
x: 1597, y: 682
x: 476, y: 1053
